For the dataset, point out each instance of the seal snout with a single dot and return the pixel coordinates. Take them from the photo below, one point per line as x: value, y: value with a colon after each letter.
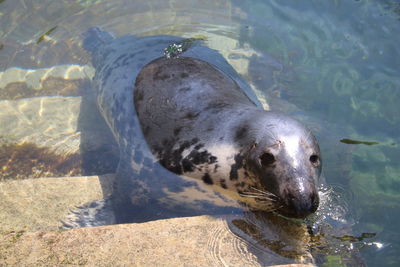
x: 300, y: 203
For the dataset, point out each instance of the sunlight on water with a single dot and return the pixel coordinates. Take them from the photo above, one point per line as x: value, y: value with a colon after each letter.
x: 334, y: 65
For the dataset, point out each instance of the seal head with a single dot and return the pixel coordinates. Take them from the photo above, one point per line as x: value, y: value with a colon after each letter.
x: 286, y: 158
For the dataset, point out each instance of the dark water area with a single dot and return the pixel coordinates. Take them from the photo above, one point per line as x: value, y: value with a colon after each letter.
x: 335, y: 65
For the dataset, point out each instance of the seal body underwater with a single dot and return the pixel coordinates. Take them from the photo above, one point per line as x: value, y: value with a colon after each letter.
x: 197, y: 118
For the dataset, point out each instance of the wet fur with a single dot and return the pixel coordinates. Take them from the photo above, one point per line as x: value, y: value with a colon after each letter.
x: 196, y: 121
x: 199, y: 123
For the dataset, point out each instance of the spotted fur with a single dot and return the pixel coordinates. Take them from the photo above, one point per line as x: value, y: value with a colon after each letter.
x: 197, y: 118
x: 204, y: 127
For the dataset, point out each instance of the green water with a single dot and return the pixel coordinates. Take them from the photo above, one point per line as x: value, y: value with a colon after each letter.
x: 334, y: 64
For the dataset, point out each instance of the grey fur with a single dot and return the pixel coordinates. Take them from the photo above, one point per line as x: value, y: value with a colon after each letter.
x: 200, y: 120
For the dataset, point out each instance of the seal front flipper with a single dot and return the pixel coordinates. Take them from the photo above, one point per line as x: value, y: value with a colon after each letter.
x: 130, y: 193
x: 94, y: 213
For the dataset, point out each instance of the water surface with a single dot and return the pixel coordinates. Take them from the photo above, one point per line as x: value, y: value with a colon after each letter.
x: 334, y: 64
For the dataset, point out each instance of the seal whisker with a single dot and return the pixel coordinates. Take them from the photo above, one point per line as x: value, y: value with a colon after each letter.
x: 254, y: 193
x: 256, y: 196
x: 259, y: 198
x: 263, y: 192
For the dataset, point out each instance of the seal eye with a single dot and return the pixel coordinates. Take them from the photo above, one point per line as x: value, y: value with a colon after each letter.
x: 314, y: 160
x: 267, y: 159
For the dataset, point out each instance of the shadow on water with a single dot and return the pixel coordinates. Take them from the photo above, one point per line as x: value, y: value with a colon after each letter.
x: 273, y: 239
x: 277, y: 240
x: 100, y: 153
x: 98, y: 149
x: 341, y: 69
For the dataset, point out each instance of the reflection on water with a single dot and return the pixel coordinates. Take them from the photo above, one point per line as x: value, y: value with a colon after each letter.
x: 275, y: 240
x: 332, y: 64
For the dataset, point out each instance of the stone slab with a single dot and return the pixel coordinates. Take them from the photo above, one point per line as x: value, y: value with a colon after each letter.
x: 195, y: 241
x: 31, y: 211
x: 40, y: 204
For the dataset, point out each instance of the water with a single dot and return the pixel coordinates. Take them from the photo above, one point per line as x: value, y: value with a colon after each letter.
x: 334, y: 65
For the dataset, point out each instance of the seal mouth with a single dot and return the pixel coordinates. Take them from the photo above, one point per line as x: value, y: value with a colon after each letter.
x: 294, y: 215
x: 299, y: 207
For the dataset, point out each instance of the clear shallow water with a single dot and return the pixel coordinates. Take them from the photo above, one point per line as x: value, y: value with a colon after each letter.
x: 335, y: 65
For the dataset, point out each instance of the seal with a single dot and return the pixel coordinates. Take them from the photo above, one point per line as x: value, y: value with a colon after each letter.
x: 199, y: 123
x: 197, y: 118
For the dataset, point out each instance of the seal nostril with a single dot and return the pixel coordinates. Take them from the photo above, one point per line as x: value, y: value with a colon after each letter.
x: 300, y: 204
